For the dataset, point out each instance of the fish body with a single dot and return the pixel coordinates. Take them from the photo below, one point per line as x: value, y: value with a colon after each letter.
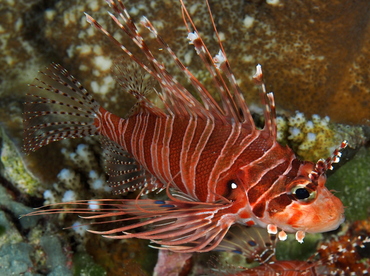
x: 218, y: 168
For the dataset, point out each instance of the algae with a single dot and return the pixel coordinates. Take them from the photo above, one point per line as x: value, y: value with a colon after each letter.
x: 293, y: 250
x: 352, y: 184
x: 13, y: 168
x: 85, y: 265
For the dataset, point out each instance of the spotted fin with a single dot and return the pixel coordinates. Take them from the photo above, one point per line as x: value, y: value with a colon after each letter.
x: 137, y: 82
x: 57, y: 107
x: 254, y: 243
x: 125, y: 173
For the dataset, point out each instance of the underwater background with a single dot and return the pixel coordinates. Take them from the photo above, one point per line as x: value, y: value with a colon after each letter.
x: 315, y: 56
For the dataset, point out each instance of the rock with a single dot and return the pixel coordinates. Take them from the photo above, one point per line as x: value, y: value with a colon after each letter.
x: 15, y: 259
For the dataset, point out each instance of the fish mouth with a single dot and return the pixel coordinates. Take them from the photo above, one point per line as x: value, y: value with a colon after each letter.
x: 326, y: 216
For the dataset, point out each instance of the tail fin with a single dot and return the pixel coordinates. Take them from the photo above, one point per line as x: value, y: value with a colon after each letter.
x: 57, y: 107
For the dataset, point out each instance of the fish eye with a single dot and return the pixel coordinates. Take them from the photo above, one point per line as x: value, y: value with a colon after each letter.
x: 302, y: 193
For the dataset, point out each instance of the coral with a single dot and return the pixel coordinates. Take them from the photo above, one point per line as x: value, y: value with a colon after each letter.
x: 316, y: 138
x: 46, y: 251
x: 82, y: 175
x: 315, y: 54
x: 122, y: 257
x: 9, y: 233
x: 347, y: 254
x: 13, y: 169
x: 55, y: 255
x: 314, y: 62
x: 84, y: 265
x: 13, y: 61
x: 28, y: 247
x: 15, y: 259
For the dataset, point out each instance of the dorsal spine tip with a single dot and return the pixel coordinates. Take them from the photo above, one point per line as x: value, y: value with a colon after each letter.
x: 258, y: 76
x: 192, y: 36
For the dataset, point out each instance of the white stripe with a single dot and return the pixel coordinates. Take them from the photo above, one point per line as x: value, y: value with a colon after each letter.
x: 287, y: 170
x: 232, y: 152
x: 135, y: 132
x: 121, y: 130
x: 165, y: 162
x: 155, y: 153
x: 260, y: 162
x: 194, y: 158
x: 219, y: 165
x: 186, y: 143
x: 141, y: 140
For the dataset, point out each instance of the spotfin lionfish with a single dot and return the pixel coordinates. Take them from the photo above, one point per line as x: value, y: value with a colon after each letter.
x: 340, y: 255
x: 217, y: 167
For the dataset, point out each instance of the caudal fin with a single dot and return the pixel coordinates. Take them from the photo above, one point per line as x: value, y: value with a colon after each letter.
x: 57, y: 107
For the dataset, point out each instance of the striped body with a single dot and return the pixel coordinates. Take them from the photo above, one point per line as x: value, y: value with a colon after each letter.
x: 217, y: 167
x: 197, y: 156
x: 200, y: 157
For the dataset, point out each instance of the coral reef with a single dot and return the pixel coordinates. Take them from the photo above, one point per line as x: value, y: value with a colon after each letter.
x: 315, y: 62
x: 25, y: 243
x: 85, y: 265
x: 13, y: 168
x: 317, y: 138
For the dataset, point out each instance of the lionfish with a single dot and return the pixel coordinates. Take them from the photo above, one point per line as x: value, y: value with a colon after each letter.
x: 341, y: 255
x: 216, y: 166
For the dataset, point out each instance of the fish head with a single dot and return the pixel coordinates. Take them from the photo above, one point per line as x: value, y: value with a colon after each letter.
x: 305, y: 204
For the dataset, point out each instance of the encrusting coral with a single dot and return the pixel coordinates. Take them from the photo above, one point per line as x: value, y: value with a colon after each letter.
x: 318, y: 137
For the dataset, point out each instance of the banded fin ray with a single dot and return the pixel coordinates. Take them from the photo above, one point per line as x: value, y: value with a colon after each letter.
x: 135, y: 81
x: 233, y: 103
x: 57, y: 107
x: 174, y: 225
x: 176, y: 98
x: 179, y: 101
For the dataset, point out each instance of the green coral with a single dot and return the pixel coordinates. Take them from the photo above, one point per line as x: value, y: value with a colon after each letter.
x: 13, y: 169
x: 352, y: 183
x: 2, y: 230
x: 84, y: 265
x: 293, y: 250
x: 8, y: 231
